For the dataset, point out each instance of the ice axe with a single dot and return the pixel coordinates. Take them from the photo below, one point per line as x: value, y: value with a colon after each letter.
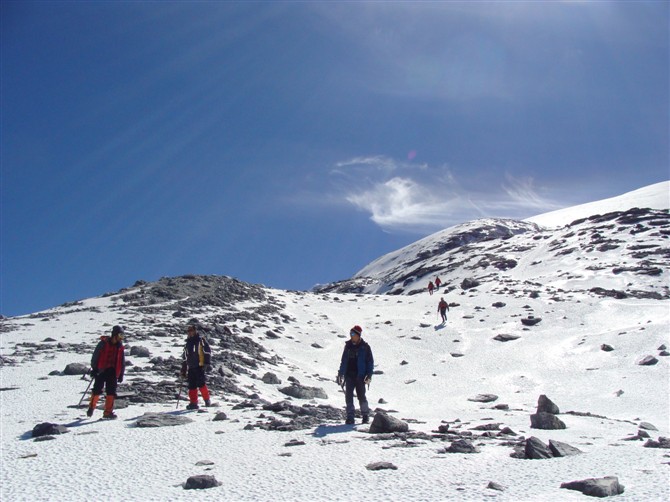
x: 85, y: 392
x: 181, y: 385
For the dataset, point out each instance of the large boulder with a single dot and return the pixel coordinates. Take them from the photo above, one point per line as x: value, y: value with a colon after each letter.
x: 76, y: 369
x: 536, y: 449
x: 596, y: 487
x: 383, y: 423
x: 546, y: 405
x: 546, y: 421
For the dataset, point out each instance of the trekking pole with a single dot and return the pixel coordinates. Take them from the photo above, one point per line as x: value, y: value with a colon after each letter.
x: 179, y: 393
x: 85, y: 392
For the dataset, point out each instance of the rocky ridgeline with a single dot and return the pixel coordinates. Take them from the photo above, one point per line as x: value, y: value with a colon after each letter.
x: 488, y: 251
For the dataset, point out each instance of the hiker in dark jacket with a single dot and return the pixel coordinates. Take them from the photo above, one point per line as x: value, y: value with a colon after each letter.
x: 107, y: 367
x: 442, y: 308
x: 196, y: 360
x: 355, y: 373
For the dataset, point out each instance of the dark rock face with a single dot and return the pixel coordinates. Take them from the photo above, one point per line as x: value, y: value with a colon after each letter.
x: 546, y: 421
x: 546, y: 405
x: 559, y: 449
x: 201, y: 482
x: 48, y: 429
x: 462, y: 446
x: 648, y: 361
x: 383, y: 423
x: 76, y: 369
x: 596, y: 487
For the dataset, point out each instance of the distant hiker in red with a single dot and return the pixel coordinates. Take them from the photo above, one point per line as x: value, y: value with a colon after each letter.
x: 442, y: 308
x: 107, y: 367
x: 196, y: 360
x: 437, y: 283
x: 431, y: 286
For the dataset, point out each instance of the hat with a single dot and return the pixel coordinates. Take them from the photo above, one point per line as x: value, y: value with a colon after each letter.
x: 357, y: 330
x: 117, y: 330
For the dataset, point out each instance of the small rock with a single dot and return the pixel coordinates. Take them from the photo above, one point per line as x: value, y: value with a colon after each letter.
x: 483, y: 398
x: 546, y: 405
x: 495, y: 486
x: 462, y: 446
x: 648, y: 361
x: 536, y: 449
x: 596, y: 487
x: 607, y: 348
x: 383, y: 423
x: 559, y: 449
x: 48, y: 429
x: 380, y: 466
x: 201, y: 482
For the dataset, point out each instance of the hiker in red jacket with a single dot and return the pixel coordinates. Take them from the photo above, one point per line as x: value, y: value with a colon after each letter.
x: 431, y: 286
x: 442, y: 308
x: 438, y: 282
x: 107, y: 367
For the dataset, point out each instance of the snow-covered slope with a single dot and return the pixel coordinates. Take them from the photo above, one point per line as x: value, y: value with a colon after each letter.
x: 580, y: 307
x: 655, y: 196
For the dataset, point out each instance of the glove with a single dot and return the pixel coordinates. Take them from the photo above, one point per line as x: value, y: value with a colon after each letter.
x: 120, y: 379
x: 367, y: 379
x: 93, y: 372
x: 208, y: 368
x: 339, y: 379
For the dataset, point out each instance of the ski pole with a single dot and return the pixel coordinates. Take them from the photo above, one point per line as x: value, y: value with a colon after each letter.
x: 85, y: 392
x: 179, y: 393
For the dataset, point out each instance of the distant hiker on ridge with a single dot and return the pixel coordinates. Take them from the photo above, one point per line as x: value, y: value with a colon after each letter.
x: 442, y: 308
x: 437, y: 283
x: 196, y: 360
x: 355, y: 373
x: 431, y: 286
x: 107, y: 367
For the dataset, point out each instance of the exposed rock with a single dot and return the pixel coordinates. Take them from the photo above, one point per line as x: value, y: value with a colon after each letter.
x: 383, y: 424
x: 462, y: 446
x: 648, y: 361
x: 647, y: 426
x: 302, y: 392
x: 607, y: 348
x: 48, y: 429
x: 495, y: 486
x: 546, y: 405
x: 596, y: 487
x: 219, y: 417
x: 76, y: 369
x: 559, y: 449
x: 201, y: 482
x: 161, y: 420
x: 662, y: 442
x: 483, y: 398
x: 380, y: 466
x: 530, y: 321
x: 140, y: 351
x: 469, y: 283
x: 271, y: 378
x: 506, y: 338
x: 536, y: 449
x: 546, y: 421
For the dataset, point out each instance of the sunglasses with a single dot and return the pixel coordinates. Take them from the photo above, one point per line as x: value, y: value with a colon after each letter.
x: 353, y: 333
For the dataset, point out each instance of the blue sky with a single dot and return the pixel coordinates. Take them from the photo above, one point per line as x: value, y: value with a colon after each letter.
x: 291, y: 143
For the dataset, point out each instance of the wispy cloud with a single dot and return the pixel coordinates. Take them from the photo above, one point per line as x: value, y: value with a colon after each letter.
x: 435, y: 199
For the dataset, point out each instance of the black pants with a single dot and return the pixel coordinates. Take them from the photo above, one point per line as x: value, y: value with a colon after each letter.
x: 105, y: 378
x: 357, y: 383
x: 196, y: 377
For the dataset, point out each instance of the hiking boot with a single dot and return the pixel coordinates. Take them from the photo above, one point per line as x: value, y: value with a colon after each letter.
x: 208, y: 403
x: 192, y: 406
x: 109, y: 415
x: 366, y: 419
x: 89, y: 412
x: 349, y: 421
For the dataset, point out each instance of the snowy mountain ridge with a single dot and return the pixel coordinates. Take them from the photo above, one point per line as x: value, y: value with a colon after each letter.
x: 577, y: 313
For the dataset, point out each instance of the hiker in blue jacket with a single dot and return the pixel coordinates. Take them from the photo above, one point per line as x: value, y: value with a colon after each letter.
x: 355, y: 373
